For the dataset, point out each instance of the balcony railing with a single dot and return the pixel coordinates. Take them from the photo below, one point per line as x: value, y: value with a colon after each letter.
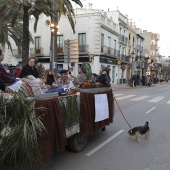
x: 83, y: 48
x: 34, y: 51
x: 123, y: 39
x: 139, y: 48
x: 124, y: 58
x: 116, y: 53
x: 107, y: 50
x: 60, y: 50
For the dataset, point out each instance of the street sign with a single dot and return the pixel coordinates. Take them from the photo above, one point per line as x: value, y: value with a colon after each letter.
x: 119, y: 62
x: 71, y: 52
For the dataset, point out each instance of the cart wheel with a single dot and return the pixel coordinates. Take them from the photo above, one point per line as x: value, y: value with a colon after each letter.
x: 77, y: 143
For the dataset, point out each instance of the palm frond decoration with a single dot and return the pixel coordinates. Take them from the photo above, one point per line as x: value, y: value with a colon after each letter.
x: 70, y: 110
x: 19, y: 130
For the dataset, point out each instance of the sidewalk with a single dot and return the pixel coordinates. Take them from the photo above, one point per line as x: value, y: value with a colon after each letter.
x: 121, y: 86
x: 126, y: 86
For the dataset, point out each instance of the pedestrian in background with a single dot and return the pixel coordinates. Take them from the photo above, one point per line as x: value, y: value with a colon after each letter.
x: 17, y: 71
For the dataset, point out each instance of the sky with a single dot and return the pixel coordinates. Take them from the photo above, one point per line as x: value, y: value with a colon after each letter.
x: 150, y: 15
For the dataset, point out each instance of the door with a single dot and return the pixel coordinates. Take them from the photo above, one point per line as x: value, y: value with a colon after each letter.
x: 113, y: 74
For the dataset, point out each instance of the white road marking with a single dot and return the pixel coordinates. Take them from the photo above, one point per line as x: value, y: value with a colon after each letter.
x: 150, y: 110
x: 124, y: 97
x: 139, y: 98
x: 156, y: 99
x: 118, y: 95
x: 104, y: 143
x: 168, y: 102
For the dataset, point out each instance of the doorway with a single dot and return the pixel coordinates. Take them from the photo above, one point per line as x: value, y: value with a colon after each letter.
x: 113, y: 74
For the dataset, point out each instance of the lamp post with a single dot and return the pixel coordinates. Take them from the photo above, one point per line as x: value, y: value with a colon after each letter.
x: 132, y: 56
x: 54, y: 31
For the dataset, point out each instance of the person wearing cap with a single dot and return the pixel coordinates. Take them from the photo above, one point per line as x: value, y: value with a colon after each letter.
x: 103, y: 76
x: 64, y: 81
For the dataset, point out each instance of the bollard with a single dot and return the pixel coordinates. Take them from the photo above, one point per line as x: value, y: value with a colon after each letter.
x: 133, y: 83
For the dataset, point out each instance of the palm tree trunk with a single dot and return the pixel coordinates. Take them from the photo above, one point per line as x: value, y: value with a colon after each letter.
x: 54, y: 20
x: 25, y: 38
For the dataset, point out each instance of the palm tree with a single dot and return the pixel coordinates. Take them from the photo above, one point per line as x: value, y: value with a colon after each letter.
x: 14, y: 32
x: 20, y: 10
x: 62, y: 7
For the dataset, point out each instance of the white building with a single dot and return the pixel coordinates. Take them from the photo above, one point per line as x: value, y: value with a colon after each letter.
x: 102, y: 41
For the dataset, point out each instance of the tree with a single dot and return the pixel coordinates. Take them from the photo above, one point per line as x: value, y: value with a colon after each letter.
x: 14, y: 32
x: 62, y: 7
x: 20, y: 10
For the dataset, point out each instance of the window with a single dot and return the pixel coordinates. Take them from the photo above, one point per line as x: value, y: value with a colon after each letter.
x: 59, y: 41
x: 102, y: 42
x: 37, y: 45
x: 120, y: 30
x: 82, y: 42
x: 109, y: 41
x: 114, y: 44
x: 82, y: 39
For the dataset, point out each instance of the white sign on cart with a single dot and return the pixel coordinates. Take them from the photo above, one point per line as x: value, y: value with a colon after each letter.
x: 101, y: 107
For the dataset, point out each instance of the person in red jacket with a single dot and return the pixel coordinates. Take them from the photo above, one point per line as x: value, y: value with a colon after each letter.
x: 17, y: 71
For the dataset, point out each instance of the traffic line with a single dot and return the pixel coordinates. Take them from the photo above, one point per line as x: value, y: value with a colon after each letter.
x: 104, y: 143
x: 150, y: 110
x: 125, y: 97
x: 156, y: 99
x: 118, y: 95
x: 168, y: 102
x: 139, y: 98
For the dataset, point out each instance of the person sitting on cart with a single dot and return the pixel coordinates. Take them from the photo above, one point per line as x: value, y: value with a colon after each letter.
x: 103, y: 76
x: 64, y: 84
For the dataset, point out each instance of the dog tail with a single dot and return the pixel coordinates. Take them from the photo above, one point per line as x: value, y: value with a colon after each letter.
x: 147, y: 123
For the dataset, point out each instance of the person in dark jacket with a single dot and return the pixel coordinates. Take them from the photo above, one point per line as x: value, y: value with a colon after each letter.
x: 30, y: 69
x: 103, y: 76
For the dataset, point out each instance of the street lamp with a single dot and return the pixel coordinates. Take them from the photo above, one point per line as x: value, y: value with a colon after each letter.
x: 54, y: 31
x: 132, y: 56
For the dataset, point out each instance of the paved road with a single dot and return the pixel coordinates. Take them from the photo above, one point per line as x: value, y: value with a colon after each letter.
x: 114, y: 149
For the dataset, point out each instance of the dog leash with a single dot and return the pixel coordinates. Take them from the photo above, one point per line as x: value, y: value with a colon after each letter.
x: 122, y: 112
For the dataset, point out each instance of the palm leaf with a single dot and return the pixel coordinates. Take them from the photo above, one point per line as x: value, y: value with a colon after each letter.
x: 19, y: 148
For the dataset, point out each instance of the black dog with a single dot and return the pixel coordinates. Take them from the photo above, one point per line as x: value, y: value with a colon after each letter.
x: 140, y: 130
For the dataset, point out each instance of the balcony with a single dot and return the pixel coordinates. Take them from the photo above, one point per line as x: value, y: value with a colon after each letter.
x: 35, y: 52
x: 16, y: 53
x: 154, y: 47
x: 116, y: 53
x: 139, y: 48
x: 83, y: 49
x: 60, y: 50
x: 124, y: 58
x: 153, y: 57
x: 123, y: 39
x: 107, y: 50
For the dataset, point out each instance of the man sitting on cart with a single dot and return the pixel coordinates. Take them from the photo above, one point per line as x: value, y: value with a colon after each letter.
x: 64, y: 83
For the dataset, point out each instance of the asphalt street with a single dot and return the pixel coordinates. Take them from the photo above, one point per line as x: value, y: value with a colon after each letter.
x: 114, y: 149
